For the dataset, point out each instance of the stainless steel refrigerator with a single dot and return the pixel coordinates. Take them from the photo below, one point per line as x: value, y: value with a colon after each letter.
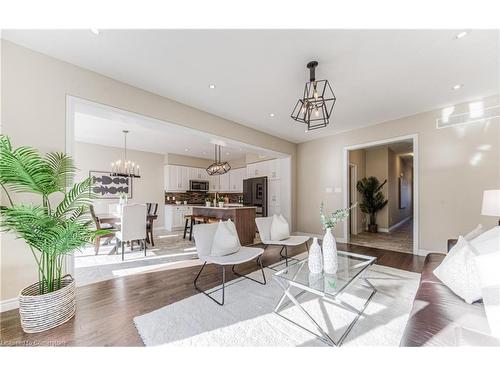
x: 255, y: 194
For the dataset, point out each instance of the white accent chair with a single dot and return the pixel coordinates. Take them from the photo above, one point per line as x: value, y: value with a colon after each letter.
x: 133, y: 227
x: 204, y: 236
x: 264, y: 227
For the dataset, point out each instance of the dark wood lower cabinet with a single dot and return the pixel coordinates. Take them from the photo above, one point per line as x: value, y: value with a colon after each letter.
x: 105, y: 309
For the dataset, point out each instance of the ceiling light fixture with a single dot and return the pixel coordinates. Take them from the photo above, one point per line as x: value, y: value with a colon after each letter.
x: 461, y: 34
x: 211, y: 86
x: 218, y: 167
x: 127, y: 168
x: 316, y: 105
x: 457, y: 87
x: 271, y: 114
x: 95, y: 31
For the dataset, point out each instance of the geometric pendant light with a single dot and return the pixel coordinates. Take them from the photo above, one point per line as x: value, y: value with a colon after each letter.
x: 316, y: 105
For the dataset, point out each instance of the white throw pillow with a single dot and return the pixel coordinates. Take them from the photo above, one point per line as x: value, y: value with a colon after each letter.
x: 280, y: 230
x: 458, y: 272
x: 487, y: 242
x: 225, y: 240
x: 488, y: 265
x: 474, y: 233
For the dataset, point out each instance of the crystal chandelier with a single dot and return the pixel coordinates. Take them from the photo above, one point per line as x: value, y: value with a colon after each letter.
x: 218, y: 167
x: 125, y: 167
x: 315, y: 107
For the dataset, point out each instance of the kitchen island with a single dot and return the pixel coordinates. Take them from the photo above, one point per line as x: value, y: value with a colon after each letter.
x: 242, y: 216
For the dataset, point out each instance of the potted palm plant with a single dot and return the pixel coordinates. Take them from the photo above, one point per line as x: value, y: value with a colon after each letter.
x: 56, y: 226
x: 373, y: 199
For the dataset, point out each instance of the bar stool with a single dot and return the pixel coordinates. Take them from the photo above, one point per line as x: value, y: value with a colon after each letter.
x: 190, y: 219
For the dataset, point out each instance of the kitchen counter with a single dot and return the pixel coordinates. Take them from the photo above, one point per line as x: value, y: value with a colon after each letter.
x: 242, y: 216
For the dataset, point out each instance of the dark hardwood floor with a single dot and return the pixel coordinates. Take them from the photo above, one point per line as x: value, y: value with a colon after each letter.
x: 105, y: 310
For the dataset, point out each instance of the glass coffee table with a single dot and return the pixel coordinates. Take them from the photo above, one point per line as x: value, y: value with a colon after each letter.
x: 330, y: 287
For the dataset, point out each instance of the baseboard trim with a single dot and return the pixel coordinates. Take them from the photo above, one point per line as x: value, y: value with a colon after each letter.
x: 399, y: 224
x: 9, y: 304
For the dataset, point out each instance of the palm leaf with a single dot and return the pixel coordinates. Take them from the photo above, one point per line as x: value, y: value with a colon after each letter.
x: 78, y: 196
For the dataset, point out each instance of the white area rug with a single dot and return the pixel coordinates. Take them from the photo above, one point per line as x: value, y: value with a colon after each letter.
x: 247, y: 318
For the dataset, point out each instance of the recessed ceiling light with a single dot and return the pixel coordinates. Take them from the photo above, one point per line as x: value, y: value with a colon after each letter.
x: 227, y: 153
x: 457, y: 87
x: 95, y: 31
x: 186, y: 149
x: 271, y: 114
x: 211, y: 86
x: 461, y: 34
x: 204, y: 153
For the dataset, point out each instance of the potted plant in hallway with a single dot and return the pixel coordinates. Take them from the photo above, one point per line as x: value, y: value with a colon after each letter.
x: 53, y: 228
x: 220, y: 201
x: 373, y: 199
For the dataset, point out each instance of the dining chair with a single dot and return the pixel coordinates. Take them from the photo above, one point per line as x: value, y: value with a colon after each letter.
x: 152, y: 209
x: 264, y: 227
x: 204, y: 237
x: 99, y: 225
x: 133, y: 226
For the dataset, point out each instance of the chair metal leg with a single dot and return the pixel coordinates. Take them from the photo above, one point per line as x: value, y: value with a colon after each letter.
x: 286, y: 254
x: 208, y: 294
x: 249, y: 278
x: 144, y: 245
x: 123, y: 250
x: 191, y: 229
x: 307, y: 246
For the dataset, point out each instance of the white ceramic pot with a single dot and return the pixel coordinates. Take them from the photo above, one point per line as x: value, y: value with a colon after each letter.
x: 315, y: 261
x: 330, y: 262
x: 221, y: 204
x: 207, y: 204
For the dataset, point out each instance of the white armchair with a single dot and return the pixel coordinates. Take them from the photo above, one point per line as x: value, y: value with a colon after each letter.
x: 133, y: 226
x: 204, y: 238
x: 264, y: 227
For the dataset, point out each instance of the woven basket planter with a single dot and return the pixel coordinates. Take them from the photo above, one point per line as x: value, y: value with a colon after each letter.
x: 40, y: 312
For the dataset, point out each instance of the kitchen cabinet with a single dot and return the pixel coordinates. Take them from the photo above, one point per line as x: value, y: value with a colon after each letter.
x: 273, y: 169
x: 213, y: 184
x: 177, y: 177
x: 236, y: 177
x: 174, y: 216
x: 260, y: 169
x: 224, y: 182
x: 274, y: 190
x: 197, y: 174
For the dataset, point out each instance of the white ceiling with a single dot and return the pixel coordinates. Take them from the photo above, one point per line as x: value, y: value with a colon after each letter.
x: 103, y: 125
x: 377, y: 75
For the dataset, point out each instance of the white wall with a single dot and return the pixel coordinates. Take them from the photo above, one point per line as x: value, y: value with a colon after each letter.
x: 455, y: 165
x: 147, y: 189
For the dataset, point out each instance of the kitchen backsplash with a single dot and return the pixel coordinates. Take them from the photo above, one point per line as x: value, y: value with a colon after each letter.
x: 193, y: 197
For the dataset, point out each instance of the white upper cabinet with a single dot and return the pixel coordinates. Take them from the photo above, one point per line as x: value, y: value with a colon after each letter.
x: 177, y: 178
x: 273, y: 169
x: 198, y: 174
x: 224, y: 182
x: 213, y: 183
x: 257, y: 169
x: 236, y: 177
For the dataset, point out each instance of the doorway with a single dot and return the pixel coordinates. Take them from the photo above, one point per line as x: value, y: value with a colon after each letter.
x: 393, y: 165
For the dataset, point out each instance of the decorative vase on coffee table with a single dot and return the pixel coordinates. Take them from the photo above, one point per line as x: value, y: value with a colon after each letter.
x: 315, y: 260
x: 330, y: 263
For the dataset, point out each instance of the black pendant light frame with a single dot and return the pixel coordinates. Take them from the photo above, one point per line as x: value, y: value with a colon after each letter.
x: 218, y: 167
x: 316, y: 106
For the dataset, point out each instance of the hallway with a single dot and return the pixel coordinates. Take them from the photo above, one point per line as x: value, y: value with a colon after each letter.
x: 400, y: 239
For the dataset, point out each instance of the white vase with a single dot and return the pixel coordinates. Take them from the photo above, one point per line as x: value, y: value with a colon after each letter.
x: 330, y: 263
x: 315, y: 257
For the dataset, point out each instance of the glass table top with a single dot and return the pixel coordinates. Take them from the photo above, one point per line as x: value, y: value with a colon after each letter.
x: 350, y: 266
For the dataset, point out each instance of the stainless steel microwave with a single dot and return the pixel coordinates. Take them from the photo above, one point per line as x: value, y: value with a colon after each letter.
x: 198, y: 185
